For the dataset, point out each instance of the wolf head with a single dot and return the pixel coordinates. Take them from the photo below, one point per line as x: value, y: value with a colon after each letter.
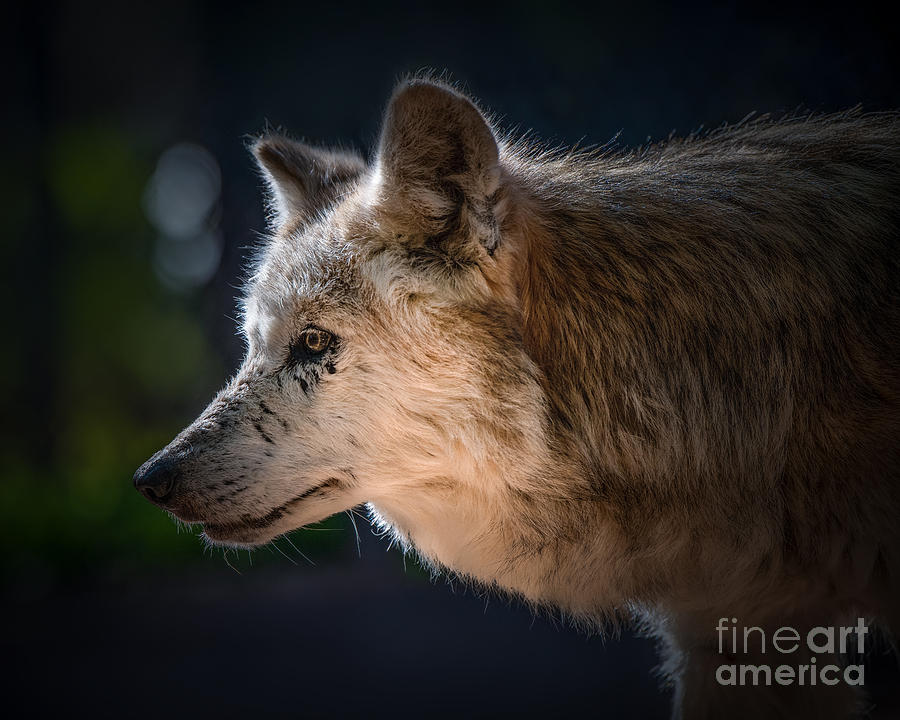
x: 385, y: 362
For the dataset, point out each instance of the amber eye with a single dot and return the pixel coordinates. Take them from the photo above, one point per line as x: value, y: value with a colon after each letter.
x: 309, y: 346
x: 315, y: 341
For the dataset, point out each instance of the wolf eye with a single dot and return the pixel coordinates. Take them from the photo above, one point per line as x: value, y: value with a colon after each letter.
x: 312, y: 341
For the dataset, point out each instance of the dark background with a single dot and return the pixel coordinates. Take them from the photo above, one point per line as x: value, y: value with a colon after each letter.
x: 119, y: 297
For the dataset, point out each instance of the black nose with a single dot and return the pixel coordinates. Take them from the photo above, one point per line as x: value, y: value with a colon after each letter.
x: 156, y: 479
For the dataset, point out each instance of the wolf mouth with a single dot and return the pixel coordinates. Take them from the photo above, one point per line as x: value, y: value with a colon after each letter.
x: 240, y: 527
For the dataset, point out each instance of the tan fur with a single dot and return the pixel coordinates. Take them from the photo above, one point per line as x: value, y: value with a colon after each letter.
x: 663, y: 383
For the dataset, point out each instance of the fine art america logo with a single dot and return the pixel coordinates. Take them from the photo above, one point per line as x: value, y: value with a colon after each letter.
x: 787, y: 656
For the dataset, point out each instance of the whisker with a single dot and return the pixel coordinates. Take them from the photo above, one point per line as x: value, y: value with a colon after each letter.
x: 283, y: 552
x: 228, y: 563
x: 356, y: 531
x: 312, y: 529
x: 298, y: 551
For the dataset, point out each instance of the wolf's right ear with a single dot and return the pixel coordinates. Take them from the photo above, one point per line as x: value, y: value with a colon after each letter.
x: 303, y: 179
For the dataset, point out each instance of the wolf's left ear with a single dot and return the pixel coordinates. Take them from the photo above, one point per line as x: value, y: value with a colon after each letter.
x: 438, y: 166
x: 303, y: 179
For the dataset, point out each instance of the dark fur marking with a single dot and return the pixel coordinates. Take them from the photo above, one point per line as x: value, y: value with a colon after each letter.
x: 263, y: 433
x: 277, y: 513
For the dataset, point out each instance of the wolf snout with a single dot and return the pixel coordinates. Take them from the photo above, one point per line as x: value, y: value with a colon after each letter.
x: 158, y: 478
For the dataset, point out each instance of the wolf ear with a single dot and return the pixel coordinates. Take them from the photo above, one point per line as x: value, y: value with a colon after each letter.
x: 303, y: 179
x: 438, y: 166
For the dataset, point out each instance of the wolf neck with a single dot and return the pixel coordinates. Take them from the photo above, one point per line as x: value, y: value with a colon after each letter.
x: 546, y: 529
x: 548, y: 549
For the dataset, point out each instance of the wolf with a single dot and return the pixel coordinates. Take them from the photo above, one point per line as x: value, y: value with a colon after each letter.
x: 659, y: 385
